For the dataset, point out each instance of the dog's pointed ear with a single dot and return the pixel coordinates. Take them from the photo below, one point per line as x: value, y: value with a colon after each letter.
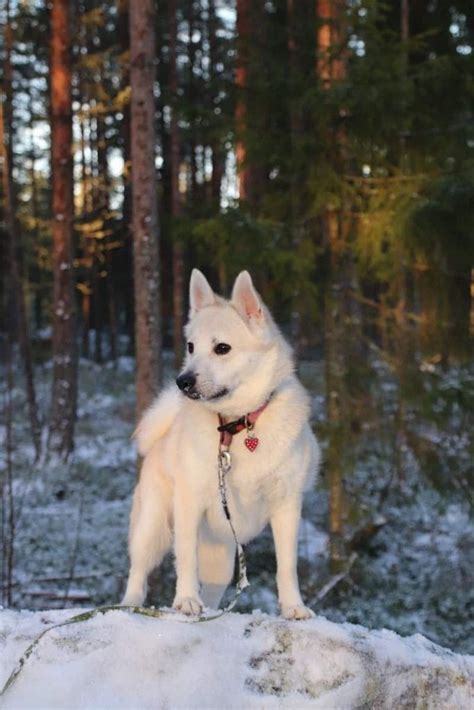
x: 246, y: 299
x: 200, y: 293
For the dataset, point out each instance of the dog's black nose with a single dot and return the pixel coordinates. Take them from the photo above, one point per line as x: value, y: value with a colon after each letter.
x: 186, y: 381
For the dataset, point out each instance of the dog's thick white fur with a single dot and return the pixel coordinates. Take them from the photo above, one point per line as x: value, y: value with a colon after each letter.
x: 177, y: 497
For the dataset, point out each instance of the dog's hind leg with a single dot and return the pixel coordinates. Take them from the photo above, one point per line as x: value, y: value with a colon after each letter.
x: 216, y: 566
x: 150, y: 535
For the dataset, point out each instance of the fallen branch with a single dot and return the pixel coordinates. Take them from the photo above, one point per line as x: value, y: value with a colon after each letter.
x: 333, y: 581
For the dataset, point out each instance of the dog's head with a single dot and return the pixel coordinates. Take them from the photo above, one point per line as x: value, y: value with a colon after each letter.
x: 235, y: 353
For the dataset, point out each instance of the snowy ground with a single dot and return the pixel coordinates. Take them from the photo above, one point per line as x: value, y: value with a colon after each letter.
x: 124, y: 660
x: 416, y: 575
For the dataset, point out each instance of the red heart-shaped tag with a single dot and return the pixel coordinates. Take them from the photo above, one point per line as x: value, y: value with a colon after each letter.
x: 251, y: 443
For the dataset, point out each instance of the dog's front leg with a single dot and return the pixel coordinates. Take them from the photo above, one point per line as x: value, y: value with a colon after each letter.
x: 187, y: 516
x: 285, y: 523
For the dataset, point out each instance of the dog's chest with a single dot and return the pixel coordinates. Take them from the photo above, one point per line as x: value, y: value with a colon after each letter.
x: 249, y: 515
x: 249, y: 489
x: 254, y: 483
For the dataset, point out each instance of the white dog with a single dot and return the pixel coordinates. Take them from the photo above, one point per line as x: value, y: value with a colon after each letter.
x: 238, y: 367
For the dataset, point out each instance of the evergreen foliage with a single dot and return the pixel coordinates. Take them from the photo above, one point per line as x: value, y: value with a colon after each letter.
x: 364, y: 179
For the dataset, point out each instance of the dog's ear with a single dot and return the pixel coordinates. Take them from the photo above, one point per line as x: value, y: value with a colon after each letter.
x: 200, y: 293
x: 246, y: 299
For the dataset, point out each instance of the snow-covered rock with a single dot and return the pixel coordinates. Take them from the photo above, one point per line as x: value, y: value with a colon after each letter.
x: 120, y: 659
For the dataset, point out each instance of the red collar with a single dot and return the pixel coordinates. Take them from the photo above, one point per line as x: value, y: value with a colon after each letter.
x: 247, y: 422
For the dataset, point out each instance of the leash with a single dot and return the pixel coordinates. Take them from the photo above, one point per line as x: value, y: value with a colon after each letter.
x: 224, y: 467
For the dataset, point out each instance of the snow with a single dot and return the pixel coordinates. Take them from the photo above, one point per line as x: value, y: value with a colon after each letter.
x: 120, y: 659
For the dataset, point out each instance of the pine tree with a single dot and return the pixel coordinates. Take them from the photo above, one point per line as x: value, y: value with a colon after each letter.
x: 144, y: 202
x: 12, y: 225
x: 245, y: 176
x: 331, y: 68
x: 64, y: 391
x: 178, y: 251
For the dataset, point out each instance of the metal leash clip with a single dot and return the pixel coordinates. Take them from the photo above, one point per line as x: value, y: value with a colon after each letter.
x: 225, y: 460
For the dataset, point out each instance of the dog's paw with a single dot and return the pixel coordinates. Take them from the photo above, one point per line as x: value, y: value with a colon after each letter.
x: 297, y: 612
x: 188, y: 605
x: 132, y: 600
x: 134, y: 597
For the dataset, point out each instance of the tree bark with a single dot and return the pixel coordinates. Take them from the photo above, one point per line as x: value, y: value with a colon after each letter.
x: 123, y: 31
x: 244, y: 170
x: 218, y: 153
x: 144, y: 202
x: 85, y: 207
x: 64, y: 392
x: 178, y: 253
x: 330, y: 67
x: 193, y: 191
x: 330, y: 63
x: 8, y: 514
x: 296, y: 189
x: 6, y: 150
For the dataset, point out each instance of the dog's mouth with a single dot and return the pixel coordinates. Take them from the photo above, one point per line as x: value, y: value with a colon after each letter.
x: 192, y: 394
x: 195, y: 394
x: 221, y: 393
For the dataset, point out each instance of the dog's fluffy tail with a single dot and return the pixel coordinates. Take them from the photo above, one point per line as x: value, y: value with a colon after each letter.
x: 157, y: 419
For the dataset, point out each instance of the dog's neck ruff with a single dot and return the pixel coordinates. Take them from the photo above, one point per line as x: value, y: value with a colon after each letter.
x: 247, y: 421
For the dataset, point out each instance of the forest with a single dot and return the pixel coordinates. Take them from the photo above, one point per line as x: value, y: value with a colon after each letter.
x: 327, y: 148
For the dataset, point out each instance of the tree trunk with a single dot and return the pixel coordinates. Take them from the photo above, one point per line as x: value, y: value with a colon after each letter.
x: 193, y: 201
x: 85, y: 207
x: 8, y: 513
x: 330, y: 67
x: 105, y: 187
x: 403, y: 273
x: 144, y: 202
x: 111, y: 303
x: 471, y: 309
x: 244, y: 170
x: 296, y: 189
x: 404, y: 25
x: 97, y: 303
x: 6, y: 150
x: 64, y: 392
x: 123, y: 30
x: 178, y: 255
x: 218, y: 153
x: 330, y: 63
x: 86, y: 294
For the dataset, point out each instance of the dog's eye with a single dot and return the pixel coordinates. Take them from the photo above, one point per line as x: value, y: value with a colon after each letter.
x: 190, y: 348
x: 222, y: 349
